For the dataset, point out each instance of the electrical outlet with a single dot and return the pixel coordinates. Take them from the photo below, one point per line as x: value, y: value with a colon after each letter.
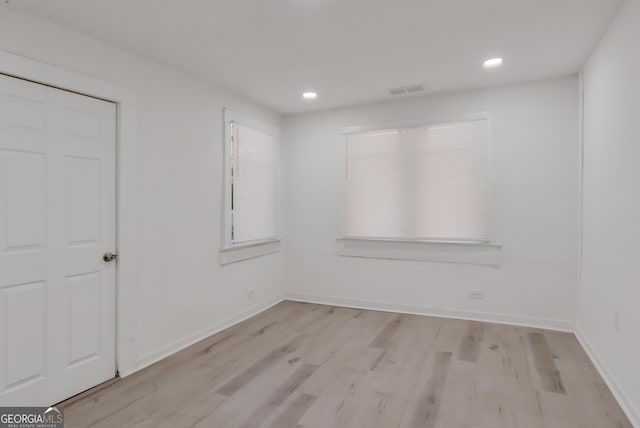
x: 476, y: 294
x: 616, y: 322
x: 251, y: 293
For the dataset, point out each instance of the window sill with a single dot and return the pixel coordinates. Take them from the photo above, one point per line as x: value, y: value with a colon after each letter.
x: 463, y: 252
x: 248, y: 251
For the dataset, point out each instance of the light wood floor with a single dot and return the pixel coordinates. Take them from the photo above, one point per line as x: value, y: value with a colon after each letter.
x: 311, y: 366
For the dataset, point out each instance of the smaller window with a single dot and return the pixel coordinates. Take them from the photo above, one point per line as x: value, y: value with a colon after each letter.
x: 251, y: 181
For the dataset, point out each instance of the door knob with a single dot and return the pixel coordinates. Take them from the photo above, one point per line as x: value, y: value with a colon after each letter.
x: 109, y: 257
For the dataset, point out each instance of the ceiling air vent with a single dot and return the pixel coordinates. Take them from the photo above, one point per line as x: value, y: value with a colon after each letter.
x: 409, y: 89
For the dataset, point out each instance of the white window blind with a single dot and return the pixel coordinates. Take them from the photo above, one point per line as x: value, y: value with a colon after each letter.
x: 254, y: 157
x: 429, y: 183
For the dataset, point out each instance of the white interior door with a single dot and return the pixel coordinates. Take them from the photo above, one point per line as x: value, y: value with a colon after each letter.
x: 57, y: 219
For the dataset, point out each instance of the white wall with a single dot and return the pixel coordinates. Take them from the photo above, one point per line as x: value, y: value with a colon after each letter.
x: 183, y: 291
x: 535, y: 210
x: 611, y: 210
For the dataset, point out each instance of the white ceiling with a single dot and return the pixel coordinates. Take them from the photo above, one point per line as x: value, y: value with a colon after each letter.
x: 349, y: 51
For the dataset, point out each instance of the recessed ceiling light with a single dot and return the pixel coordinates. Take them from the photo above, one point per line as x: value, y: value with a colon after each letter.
x: 493, y: 62
x: 309, y: 95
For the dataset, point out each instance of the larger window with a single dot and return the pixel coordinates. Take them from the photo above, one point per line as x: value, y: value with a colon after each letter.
x: 418, y: 183
x: 251, y: 181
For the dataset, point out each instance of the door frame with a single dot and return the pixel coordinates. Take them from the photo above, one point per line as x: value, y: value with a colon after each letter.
x: 126, y: 186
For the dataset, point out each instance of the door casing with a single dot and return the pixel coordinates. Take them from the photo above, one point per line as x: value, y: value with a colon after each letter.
x: 127, y: 360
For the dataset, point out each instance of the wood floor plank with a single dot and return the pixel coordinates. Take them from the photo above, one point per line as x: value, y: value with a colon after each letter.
x: 449, y: 336
x: 383, y: 339
x: 377, y: 399
x: 471, y: 342
x: 489, y: 410
x: 292, y: 414
x: 188, y: 415
x: 397, y: 382
x: 280, y: 395
x: 457, y: 397
x: 313, y: 366
x: 544, y: 364
x: 520, y: 392
x: 490, y: 365
x: 243, y: 378
x: 565, y: 346
x: 339, y: 385
x: 416, y: 336
x: 321, y: 345
x: 233, y: 413
x: 425, y: 412
x: 510, y: 342
x: 351, y: 355
x: 583, y: 384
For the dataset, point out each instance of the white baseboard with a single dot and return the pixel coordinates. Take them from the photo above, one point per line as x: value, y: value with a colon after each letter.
x: 550, y: 324
x: 157, y: 355
x: 632, y: 412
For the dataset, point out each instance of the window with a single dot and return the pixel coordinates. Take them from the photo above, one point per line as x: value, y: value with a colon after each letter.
x: 420, y: 183
x: 251, y: 181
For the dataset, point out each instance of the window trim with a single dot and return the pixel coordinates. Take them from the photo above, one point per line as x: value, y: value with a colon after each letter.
x: 246, y: 251
x: 467, y: 252
x: 227, y: 244
x: 415, y: 123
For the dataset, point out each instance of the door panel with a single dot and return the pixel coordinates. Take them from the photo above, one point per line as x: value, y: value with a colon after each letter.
x: 57, y: 218
x: 26, y: 332
x: 26, y: 186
